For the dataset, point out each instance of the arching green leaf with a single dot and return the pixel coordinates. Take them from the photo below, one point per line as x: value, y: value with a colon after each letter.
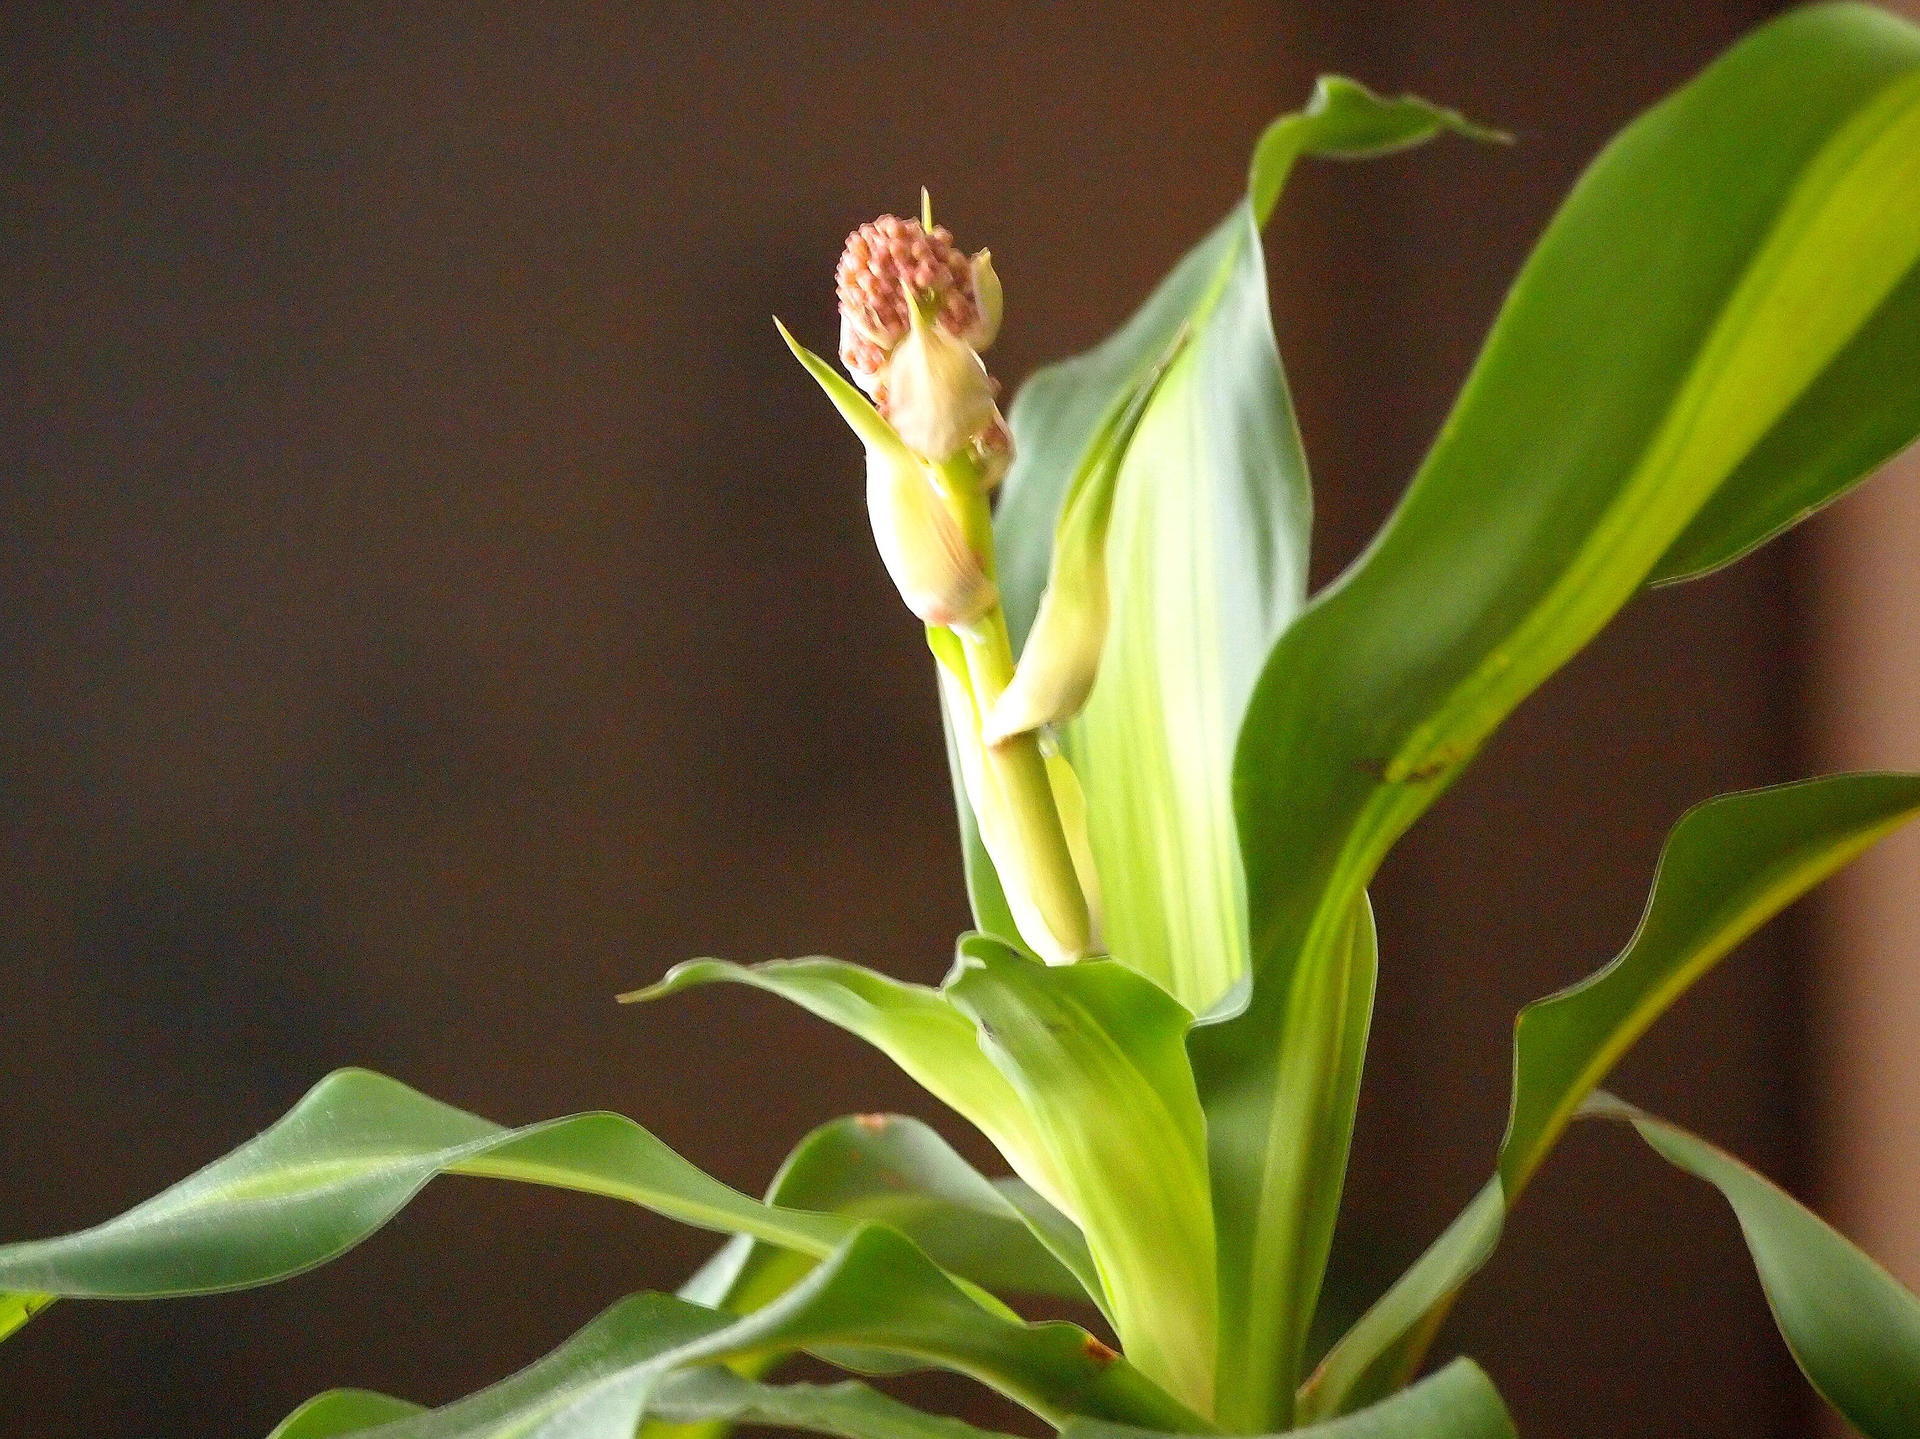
x: 345, y: 1160
x: 1096, y: 1054
x: 1459, y: 1402
x: 1079, y: 1076
x: 1205, y: 555
x: 1853, y: 1329
x: 876, y: 1291
x: 1717, y: 260
x: 1730, y: 864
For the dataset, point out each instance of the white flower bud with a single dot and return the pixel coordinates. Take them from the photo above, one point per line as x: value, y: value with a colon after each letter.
x: 993, y: 449
x: 935, y: 570
x: 938, y: 394
x: 987, y: 302
x: 1061, y: 658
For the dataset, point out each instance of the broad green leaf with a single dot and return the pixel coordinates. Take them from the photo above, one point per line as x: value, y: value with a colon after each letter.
x: 1458, y: 1402
x: 877, y: 1291
x: 1205, y: 556
x: 343, y: 1411
x: 1096, y: 1054
x: 1711, y: 267
x: 892, y: 1170
x: 911, y: 1024
x: 1078, y: 1075
x: 848, y: 1408
x: 1853, y: 1329
x: 340, y: 1164
x: 17, y: 1309
x: 1862, y: 411
x: 1304, y: 1137
x: 1730, y: 865
x: 700, y: 1397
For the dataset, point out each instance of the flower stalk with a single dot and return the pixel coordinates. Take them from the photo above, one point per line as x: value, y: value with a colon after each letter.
x: 915, y: 312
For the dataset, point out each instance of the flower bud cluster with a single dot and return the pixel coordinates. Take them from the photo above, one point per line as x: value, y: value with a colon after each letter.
x: 915, y: 312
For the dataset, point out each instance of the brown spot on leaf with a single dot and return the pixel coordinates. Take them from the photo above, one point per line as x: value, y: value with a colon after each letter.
x: 1099, y: 1353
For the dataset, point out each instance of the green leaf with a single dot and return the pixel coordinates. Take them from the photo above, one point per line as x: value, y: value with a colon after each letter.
x: 1205, y: 556
x: 17, y: 1309
x: 1459, y: 1402
x: 1711, y: 267
x: 1861, y: 412
x: 848, y: 1408
x: 345, y: 1160
x: 1346, y: 121
x: 891, y: 1169
x: 1079, y: 1077
x: 1096, y: 1054
x: 1853, y: 1329
x: 343, y: 1411
x: 1275, y: 1283
x: 1730, y: 864
x: 911, y: 1024
x: 877, y: 1291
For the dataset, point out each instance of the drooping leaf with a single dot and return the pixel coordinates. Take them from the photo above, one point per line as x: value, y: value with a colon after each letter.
x: 343, y: 1411
x: 877, y: 1291
x: 849, y: 1408
x: 1078, y: 1075
x: 683, y: 1402
x: 1853, y: 1329
x: 1096, y: 1054
x: 1711, y: 267
x: 1730, y: 864
x: 892, y: 1169
x: 345, y: 1160
x: 1458, y: 1402
x: 1205, y: 556
x: 886, y: 1169
x: 911, y: 1024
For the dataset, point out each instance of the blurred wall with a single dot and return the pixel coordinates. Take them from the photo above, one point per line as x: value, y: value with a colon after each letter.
x: 1863, y: 698
x: 432, y: 603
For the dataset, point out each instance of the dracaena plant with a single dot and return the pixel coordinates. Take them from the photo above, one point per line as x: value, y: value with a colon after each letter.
x: 1176, y: 775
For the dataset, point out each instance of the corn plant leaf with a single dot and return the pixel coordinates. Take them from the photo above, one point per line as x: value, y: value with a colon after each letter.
x: 17, y: 1309
x: 1862, y: 410
x: 848, y: 1408
x: 1096, y: 1054
x: 1458, y: 1402
x: 876, y: 1291
x: 1205, y: 556
x: 1304, y: 1138
x: 1730, y: 865
x: 1853, y: 1329
x: 1717, y: 260
x: 1079, y: 1077
x: 343, y: 1411
x: 706, y: 1398
x: 912, y: 1024
x: 340, y: 1164
x: 890, y: 1169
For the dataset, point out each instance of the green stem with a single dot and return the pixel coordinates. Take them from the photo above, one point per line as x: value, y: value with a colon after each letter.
x: 1019, y: 769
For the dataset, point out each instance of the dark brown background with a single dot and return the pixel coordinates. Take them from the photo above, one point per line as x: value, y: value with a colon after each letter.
x: 433, y: 602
